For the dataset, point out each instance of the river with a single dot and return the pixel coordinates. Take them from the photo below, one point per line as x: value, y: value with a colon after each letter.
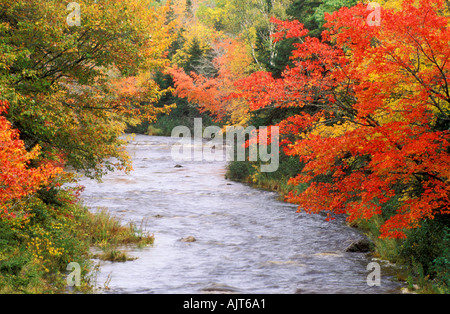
x: 247, y: 241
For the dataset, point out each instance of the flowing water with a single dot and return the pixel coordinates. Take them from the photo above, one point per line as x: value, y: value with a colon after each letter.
x: 247, y: 241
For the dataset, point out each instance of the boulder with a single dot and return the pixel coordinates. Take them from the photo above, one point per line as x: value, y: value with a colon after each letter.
x: 359, y: 246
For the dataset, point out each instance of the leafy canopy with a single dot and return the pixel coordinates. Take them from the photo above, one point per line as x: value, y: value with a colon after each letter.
x: 376, y: 116
x: 73, y: 89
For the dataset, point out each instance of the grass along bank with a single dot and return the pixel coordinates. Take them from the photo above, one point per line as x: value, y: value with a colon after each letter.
x: 51, y: 229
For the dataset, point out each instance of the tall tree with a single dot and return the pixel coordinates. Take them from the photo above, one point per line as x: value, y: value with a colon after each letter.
x: 250, y: 19
x: 377, y: 113
x: 74, y: 87
x: 211, y: 89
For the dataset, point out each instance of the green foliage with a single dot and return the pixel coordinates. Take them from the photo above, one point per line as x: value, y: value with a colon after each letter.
x: 426, y: 248
x: 38, y: 244
x: 311, y: 13
x: 441, y: 266
x: 195, y: 52
x: 183, y: 114
x: 239, y: 171
x: 304, y: 11
x: 73, y: 89
x: 37, y: 249
x: 329, y: 6
x: 245, y: 171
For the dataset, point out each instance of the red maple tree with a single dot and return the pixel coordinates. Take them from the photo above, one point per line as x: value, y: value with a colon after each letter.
x: 376, y: 103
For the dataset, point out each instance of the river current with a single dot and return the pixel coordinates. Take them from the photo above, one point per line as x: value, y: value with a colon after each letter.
x: 246, y: 240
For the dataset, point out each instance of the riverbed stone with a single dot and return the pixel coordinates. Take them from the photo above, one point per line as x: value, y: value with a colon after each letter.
x: 217, y: 288
x: 359, y: 246
x: 188, y: 239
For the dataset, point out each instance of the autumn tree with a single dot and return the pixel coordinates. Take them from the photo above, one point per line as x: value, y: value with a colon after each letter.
x: 376, y: 113
x: 209, y: 88
x: 73, y: 88
x: 17, y: 178
x: 250, y: 21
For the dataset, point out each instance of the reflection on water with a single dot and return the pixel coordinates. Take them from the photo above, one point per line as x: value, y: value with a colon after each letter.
x: 246, y: 241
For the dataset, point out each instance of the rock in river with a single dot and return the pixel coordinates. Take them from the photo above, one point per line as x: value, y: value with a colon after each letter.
x: 188, y: 239
x: 359, y: 246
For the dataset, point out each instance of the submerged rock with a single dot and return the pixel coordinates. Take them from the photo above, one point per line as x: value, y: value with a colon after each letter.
x: 219, y: 289
x: 188, y: 239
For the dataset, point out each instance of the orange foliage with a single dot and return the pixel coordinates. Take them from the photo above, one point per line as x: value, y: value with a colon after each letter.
x: 211, y: 93
x: 17, y: 178
x: 371, y: 113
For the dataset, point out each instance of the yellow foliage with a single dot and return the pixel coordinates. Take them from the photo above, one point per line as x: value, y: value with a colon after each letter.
x: 391, y: 4
x: 195, y: 32
x: 333, y: 131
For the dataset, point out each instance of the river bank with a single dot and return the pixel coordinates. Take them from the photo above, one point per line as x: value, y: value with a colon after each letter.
x: 421, y: 260
x: 39, y: 252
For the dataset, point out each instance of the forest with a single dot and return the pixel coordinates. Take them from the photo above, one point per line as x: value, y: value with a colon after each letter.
x: 360, y: 93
